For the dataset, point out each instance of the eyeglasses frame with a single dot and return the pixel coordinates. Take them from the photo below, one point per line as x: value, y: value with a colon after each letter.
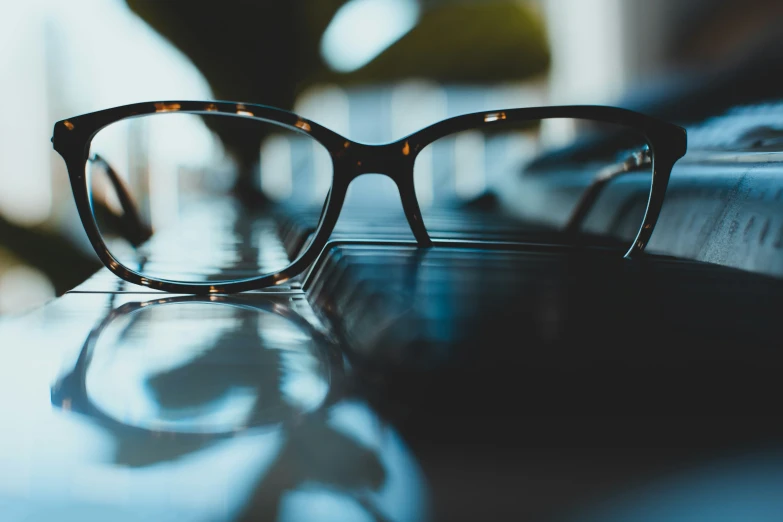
x: 72, y: 138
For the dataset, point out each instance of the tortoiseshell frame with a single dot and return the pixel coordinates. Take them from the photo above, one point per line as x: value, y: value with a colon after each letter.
x: 72, y: 138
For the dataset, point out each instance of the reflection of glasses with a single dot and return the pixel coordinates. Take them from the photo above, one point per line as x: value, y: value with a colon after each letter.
x: 183, y: 161
x: 213, y: 381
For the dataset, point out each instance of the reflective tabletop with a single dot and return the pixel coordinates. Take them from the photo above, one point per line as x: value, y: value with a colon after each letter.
x: 395, y: 383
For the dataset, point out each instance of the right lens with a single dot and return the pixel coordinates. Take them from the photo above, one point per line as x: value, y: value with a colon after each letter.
x: 212, y: 188
x: 549, y: 175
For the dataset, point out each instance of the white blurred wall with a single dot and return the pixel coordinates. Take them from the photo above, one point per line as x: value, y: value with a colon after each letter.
x: 602, y: 48
x: 60, y: 58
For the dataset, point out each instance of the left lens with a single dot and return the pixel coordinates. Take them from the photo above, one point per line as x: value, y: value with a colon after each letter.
x: 198, y: 198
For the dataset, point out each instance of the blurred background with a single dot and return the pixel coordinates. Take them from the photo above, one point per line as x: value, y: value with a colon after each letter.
x: 372, y: 70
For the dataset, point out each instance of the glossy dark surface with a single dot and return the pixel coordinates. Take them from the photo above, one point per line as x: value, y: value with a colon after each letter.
x: 191, y: 409
x: 404, y: 384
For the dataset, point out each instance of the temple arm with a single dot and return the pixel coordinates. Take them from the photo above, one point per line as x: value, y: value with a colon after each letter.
x: 133, y: 227
x: 636, y: 160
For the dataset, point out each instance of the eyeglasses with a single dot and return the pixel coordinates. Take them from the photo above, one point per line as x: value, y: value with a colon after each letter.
x: 190, y: 171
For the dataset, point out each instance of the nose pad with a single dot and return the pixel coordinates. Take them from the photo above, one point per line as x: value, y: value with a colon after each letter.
x: 390, y: 161
x: 410, y: 205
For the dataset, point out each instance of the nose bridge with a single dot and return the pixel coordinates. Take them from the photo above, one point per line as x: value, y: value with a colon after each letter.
x: 393, y: 160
